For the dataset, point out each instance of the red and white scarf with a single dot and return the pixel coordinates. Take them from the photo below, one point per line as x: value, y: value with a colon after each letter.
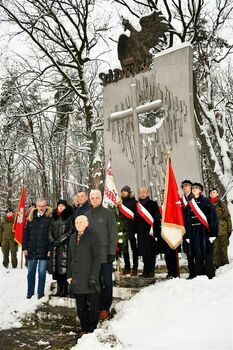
x: 129, y: 214
x: 144, y: 213
x: 184, y: 201
x: 199, y: 213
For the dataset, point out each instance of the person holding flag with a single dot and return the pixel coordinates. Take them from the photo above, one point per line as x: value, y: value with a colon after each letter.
x: 201, y: 224
x: 127, y: 213
x: 148, y: 223
x: 173, y: 228
x: 186, y: 186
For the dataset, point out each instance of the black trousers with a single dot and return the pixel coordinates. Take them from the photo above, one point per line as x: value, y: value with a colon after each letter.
x: 171, y: 262
x: 205, y: 266
x: 88, y: 311
x: 106, y: 285
x: 134, y: 248
x: 149, y: 263
x: 191, y: 265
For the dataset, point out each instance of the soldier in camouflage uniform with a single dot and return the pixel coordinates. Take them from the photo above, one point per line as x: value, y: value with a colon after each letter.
x: 7, y: 240
x: 221, y: 243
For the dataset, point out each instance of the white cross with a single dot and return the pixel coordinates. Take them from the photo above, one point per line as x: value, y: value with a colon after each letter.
x: 134, y: 111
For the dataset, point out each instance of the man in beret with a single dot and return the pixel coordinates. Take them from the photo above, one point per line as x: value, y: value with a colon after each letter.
x: 186, y: 186
x: 201, y: 225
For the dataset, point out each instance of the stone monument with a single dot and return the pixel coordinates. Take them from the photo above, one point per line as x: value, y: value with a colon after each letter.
x: 139, y: 153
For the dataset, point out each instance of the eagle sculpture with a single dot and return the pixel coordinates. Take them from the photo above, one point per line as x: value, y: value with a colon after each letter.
x: 134, y: 49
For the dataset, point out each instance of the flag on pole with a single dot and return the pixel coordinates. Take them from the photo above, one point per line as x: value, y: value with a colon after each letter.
x: 20, y: 219
x: 111, y: 196
x: 172, y: 229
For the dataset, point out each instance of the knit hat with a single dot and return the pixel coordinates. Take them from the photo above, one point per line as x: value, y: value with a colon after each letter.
x: 126, y: 189
x: 9, y: 210
x: 186, y: 182
x: 197, y: 184
x: 62, y: 201
x: 214, y: 189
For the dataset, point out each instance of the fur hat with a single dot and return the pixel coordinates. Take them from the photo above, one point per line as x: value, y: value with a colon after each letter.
x: 62, y: 201
x: 186, y: 182
x: 197, y: 184
x: 126, y: 189
x: 9, y: 210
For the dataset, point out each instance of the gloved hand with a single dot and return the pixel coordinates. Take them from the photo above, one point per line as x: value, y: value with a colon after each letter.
x: 92, y: 283
x: 56, y: 243
x: 111, y: 258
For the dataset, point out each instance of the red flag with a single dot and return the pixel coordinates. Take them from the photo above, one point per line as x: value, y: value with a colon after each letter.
x: 20, y: 219
x: 172, y: 218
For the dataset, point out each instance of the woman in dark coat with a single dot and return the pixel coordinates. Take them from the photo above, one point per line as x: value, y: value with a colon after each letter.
x: 59, y: 234
x: 146, y: 240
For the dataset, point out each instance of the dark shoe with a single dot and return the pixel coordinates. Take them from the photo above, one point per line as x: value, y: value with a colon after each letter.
x: 190, y: 277
x: 169, y: 277
x: 29, y: 296
x: 147, y: 275
x: 80, y: 334
x: 40, y: 296
x: 134, y: 273
x: 103, y: 315
x: 126, y: 272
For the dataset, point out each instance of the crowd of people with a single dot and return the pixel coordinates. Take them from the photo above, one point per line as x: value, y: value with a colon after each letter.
x: 77, y: 243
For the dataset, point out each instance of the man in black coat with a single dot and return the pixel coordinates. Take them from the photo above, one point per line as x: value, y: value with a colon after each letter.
x: 186, y: 186
x: 102, y: 222
x: 36, y: 246
x: 127, y: 213
x: 59, y: 234
x: 201, y: 225
x: 83, y: 273
x: 148, y: 210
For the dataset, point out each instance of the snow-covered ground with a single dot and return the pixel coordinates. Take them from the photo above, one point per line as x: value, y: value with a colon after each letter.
x: 175, y: 314
x: 13, y: 291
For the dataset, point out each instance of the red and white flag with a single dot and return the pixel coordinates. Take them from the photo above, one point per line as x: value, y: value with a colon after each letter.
x: 173, y: 228
x: 111, y: 196
x: 20, y: 219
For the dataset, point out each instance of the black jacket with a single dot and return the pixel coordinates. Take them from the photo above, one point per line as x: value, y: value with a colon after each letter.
x: 81, y: 209
x: 102, y: 222
x: 36, y: 235
x: 129, y: 224
x: 146, y: 242
x: 60, y: 231
x: 84, y: 262
x: 196, y: 232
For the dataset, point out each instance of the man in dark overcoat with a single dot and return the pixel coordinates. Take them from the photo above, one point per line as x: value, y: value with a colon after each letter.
x: 201, y: 225
x: 82, y: 204
x: 145, y: 231
x: 83, y: 273
x: 102, y: 222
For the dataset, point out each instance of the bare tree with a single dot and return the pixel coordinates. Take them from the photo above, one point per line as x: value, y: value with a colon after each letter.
x: 65, y: 33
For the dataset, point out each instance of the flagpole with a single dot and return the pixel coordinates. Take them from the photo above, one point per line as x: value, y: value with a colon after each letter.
x: 21, y: 260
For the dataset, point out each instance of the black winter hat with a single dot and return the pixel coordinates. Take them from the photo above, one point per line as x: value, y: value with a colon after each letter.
x: 188, y: 182
x: 126, y: 189
x: 9, y: 210
x: 197, y: 184
x: 214, y: 189
x: 62, y: 201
